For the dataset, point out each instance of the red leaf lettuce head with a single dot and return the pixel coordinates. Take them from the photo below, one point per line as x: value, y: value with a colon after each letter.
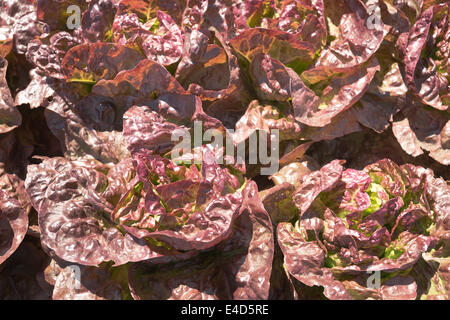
x: 140, y: 209
x: 351, y: 223
x: 307, y: 54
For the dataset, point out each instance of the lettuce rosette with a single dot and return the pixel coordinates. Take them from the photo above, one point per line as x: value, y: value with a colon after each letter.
x: 154, y: 210
x: 377, y: 233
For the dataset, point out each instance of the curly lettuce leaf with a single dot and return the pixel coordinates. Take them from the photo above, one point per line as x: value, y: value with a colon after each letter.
x: 10, y: 117
x: 13, y: 225
x: 339, y: 94
x: 89, y: 63
x: 47, y: 54
x: 420, y: 129
x: 145, y: 82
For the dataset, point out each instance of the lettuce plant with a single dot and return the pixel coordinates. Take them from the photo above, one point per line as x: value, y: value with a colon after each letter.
x: 13, y: 225
x: 151, y: 209
x: 349, y: 226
